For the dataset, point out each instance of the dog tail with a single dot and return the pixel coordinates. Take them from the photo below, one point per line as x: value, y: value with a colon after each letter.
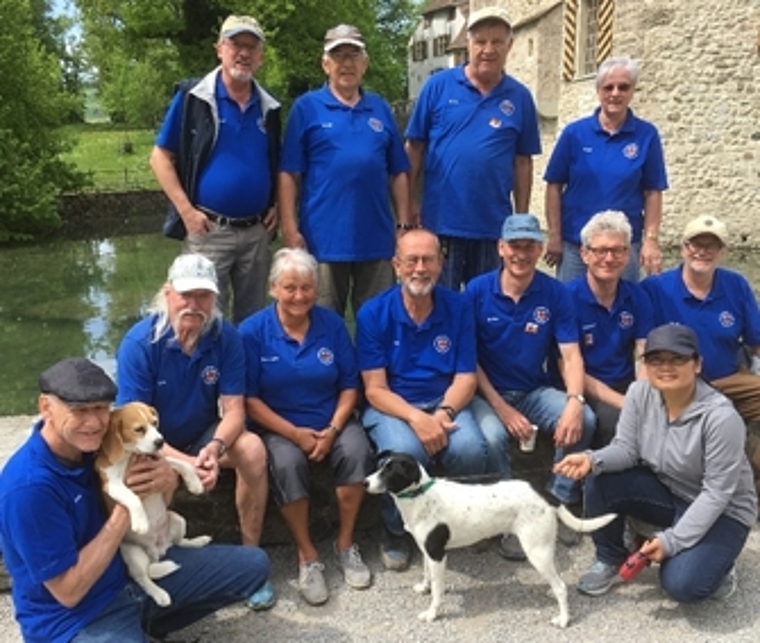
x: 583, y: 525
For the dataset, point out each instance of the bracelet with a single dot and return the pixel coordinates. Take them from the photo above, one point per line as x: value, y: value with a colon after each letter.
x: 222, y: 446
x: 651, y: 235
x: 333, y: 428
x: 449, y: 410
x: 406, y: 226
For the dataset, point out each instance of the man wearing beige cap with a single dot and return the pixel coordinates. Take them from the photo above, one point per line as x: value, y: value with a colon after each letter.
x: 343, y: 167
x: 216, y: 158
x: 188, y: 363
x: 720, y: 306
x: 471, y: 138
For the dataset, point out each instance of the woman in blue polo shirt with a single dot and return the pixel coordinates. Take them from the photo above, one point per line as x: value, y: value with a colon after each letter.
x: 610, y: 160
x: 301, y: 390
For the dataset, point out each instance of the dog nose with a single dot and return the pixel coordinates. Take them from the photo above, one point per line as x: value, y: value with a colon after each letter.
x: 159, y: 443
x: 366, y: 484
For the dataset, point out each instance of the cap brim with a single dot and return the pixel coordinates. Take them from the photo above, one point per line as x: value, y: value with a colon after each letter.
x: 486, y: 18
x: 344, y: 41
x: 186, y: 284
x: 230, y: 33
x: 523, y: 236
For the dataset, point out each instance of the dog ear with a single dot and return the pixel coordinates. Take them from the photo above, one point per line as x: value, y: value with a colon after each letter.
x: 111, y: 447
x: 153, y: 413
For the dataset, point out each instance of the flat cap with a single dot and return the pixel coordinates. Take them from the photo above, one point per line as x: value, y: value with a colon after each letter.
x: 78, y: 381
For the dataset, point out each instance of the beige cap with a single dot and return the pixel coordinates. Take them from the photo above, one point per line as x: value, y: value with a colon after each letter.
x: 343, y: 35
x: 235, y: 25
x: 488, y: 13
x: 706, y: 224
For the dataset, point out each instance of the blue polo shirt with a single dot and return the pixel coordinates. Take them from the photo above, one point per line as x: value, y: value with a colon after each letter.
x: 602, y: 171
x: 420, y: 361
x: 472, y: 141
x: 300, y: 381
x: 184, y: 389
x: 608, y: 337
x: 725, y: 319
x: 48, y: 512
x: 345, y: 156
x: 235, y: 181
x: 516, y: 338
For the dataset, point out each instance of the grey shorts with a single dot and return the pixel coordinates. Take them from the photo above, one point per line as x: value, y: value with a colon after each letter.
x: 289, y: 468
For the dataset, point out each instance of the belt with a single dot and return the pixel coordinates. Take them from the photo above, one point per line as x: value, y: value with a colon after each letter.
x: 232, y: 222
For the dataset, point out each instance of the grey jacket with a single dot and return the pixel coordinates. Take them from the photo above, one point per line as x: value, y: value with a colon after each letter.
x: 699, y: 457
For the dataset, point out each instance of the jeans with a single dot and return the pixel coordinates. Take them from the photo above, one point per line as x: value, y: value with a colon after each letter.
x: 690, y: 575
x: 572, y: 266
x: 542, y: 407
x: 465, y: 455
x: 465, y: 259
x: 209, y: 578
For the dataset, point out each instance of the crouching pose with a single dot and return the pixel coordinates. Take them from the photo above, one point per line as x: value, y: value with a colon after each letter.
x: 677, y: 462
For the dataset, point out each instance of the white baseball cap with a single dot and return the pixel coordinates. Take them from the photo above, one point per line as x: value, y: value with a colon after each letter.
x: 193, y: 272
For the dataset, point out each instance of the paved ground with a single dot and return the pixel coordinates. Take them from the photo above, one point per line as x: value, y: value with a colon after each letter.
x: 487, y: 599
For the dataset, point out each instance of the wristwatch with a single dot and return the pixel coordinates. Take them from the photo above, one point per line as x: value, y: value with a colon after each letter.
x: 222, y: 446
x: 576, y: 396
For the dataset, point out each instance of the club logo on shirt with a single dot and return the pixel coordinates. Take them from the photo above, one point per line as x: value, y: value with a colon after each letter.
x: 631, y: 151
x: 726, y: 319
x: 442, y: 344
x: 507, y: 107
x: 210, y: 375
x: 495, y: 123
x: 542, y: 315
x: 326, y: 356
x: 261, y: 124
x: 626, y: 319
x: 375, y: 125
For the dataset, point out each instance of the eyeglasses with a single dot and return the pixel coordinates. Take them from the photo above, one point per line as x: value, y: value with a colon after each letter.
x: 621, y: 87
x: 346, y: 56
x: 657, y: 359
x: 237, y: 47
x: 702, y: 246
x: 411, y: 261
x: 617, y: 252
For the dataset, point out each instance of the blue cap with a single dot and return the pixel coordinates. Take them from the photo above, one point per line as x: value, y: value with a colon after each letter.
x: 521, y: 226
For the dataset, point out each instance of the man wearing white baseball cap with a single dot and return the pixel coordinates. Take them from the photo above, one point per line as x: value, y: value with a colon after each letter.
x: 188, y: 363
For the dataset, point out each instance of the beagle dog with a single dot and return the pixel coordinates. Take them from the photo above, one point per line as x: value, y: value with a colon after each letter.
x: 442, y: 514
x: 133, y: 428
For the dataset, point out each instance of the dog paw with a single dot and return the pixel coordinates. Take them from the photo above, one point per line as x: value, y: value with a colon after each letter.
x: 560, y: 621
x: 140, y: 524
x: 427, y: 616
x: 161, y: 597
x: 194, y: 486
x: 422, y: 588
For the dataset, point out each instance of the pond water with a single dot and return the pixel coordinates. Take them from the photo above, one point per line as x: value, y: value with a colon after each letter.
x: 78, y: 298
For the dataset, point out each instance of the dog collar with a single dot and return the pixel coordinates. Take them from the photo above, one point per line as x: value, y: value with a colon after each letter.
x: 418, y: 491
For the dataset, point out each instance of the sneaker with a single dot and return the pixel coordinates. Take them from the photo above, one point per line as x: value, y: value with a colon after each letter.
x: 599, y: 579
x: 394, y: 551
x: 355, y: 572
x: 510, y: 548
x: 263, y: 598
x: 727, y: 586
x: 311, y: 583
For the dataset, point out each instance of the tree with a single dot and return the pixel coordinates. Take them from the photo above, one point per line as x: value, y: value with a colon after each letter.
x: 31, y: 110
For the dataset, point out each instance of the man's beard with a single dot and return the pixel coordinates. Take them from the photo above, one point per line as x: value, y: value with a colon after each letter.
x: 241, y: 75
x: 417, y: 288
x: 189, y: 339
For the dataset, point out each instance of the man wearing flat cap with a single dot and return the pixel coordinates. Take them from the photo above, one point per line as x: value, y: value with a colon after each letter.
x: 216, y: 157
x: 720, y: 305
x: 188, y: 363
x: 470, y: 140
x: 343, y: 167
x: 62, y: 548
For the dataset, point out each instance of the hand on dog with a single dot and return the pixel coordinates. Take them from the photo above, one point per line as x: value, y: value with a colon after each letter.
x: 207, y: 467
x: 574, y: 466
x: 432, y: 430
x: 147, y: 474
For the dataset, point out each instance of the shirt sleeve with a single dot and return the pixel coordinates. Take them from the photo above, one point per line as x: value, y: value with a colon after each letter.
x: 232, y: 377
x: 252, y: 350
x: 134, y: 372
x: 566, y: 327
x: 467, y: 344
x: 370, y: 347
x: 529, y: 140
x: 294, y: 143
x: 169, y: 134
x: 654, y: 174
x: 558, y: 167
x: 347, y: 366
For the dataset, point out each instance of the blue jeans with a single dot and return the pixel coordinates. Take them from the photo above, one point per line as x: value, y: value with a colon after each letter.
x: 572, y: 266
x: 465, y: 259
x: 209, y: 578
x: 542, y: 407
x: 692, y: 574
x: 465, y: 455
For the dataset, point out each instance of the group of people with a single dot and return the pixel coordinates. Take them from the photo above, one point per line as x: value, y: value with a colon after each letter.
x: 462, y: 345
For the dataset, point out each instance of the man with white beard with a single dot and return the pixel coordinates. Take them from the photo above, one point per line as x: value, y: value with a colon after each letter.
x: 216, y: 157
x: 188, y: 363
x: 416, y: 349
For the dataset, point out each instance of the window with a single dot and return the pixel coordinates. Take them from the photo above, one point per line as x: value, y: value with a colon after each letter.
x: 439, y: 45
x: 588, y: 36
x: 419, y: 50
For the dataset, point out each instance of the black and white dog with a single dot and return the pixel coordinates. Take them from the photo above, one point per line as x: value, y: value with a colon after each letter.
x: 442, y: 514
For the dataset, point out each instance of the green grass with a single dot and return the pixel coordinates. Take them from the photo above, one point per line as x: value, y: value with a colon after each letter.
x: 99, y: 149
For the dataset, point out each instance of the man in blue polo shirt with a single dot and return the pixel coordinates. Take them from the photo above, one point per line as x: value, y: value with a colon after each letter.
x: 216, y: 158
x: 62, y: 548
x: 521, y: 315
x: 188, y: 363
x: 341, y: 156
x: 720, y: 306
x: 470, y: 140
x: 416, y: 348
x: 614, y: 318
